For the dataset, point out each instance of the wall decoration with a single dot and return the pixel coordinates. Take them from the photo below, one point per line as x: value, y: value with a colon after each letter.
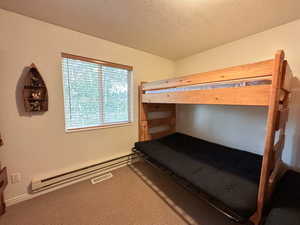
x: 3, y: 184
x: 1, y: 141
x: 35, y: 92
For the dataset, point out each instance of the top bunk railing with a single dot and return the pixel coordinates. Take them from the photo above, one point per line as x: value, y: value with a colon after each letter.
x: 249, y: 84
x: 262, y: 69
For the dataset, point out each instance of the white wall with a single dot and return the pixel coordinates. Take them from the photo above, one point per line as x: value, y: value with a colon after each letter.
x: 243, y: 127
x: 38, y: 145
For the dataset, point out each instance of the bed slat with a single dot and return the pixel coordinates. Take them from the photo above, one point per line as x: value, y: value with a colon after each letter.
x: 254, y: 70
x: 161, y: 121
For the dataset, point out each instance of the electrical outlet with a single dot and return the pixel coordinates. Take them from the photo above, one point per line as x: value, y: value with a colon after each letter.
x: 15, y: 178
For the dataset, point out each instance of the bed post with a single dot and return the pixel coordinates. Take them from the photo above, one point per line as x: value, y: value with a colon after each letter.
x: 143, y: 117
x: 271, y: 165
x: 145, y: 122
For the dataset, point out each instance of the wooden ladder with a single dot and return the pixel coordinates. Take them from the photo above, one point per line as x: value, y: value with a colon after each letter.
x: 272, y: 166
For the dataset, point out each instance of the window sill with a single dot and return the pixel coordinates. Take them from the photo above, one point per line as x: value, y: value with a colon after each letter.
x: 98, y: 127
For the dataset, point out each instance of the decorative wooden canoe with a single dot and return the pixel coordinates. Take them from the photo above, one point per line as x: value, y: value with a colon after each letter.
x: 3, y: 184
x: 35, y: 92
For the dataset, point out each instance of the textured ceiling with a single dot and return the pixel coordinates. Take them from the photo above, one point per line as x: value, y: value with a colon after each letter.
x: 169, y: 28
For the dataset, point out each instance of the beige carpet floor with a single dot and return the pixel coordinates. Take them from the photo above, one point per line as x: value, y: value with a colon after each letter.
x: 136, y: 195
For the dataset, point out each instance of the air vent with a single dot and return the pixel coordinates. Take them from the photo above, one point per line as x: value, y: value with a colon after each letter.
x: 101, y: 178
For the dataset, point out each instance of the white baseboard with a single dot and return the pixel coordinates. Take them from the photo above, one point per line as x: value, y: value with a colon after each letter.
x: 18, y: 199
x: 28, y: 196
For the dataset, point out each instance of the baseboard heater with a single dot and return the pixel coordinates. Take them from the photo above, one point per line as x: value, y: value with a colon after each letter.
x: 79, y: 174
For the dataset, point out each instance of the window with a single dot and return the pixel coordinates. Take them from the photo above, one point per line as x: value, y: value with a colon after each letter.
x: 96, y: 93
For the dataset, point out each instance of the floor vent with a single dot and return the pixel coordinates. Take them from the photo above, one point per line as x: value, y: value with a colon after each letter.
x: 100, y: 178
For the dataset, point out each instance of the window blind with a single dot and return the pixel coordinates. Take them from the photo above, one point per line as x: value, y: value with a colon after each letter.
x: 95, y: 94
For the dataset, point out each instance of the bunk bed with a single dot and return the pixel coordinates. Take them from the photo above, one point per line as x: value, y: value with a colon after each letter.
x: 234, y: 181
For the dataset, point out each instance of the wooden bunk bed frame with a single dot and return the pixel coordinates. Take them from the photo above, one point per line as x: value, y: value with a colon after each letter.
x: 274, y: 95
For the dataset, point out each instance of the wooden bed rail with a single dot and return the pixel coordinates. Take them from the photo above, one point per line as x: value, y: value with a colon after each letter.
x: 250, y: 95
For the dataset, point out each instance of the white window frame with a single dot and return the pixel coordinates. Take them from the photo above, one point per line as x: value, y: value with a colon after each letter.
x: 130, y: 93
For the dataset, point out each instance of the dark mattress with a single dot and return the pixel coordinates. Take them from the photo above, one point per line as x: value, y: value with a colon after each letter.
x: 228, y: 175
x: 285, y: 206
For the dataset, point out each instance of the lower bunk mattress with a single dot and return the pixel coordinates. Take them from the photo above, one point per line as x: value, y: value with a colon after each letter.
x: 285, y: 204
x: 228, y: 175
